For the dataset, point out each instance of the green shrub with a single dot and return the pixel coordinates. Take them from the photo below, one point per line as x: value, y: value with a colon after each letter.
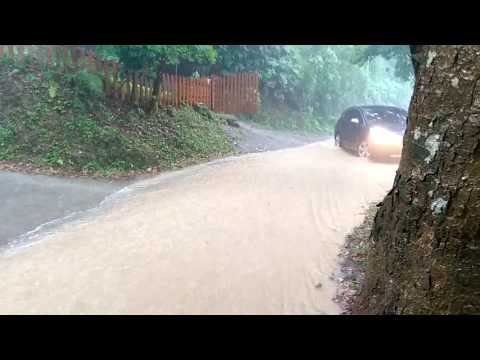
x: 6, y: 136
x: 85, y: 83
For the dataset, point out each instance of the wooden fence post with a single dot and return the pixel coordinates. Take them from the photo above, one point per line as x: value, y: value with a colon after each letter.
x: 150, y: 95
x: 252, y: 110
x: 98, y: 64
x: 143, y: 89
x: 134, y: 88
x: 73, y: 52
x: 162, y: 90
x: 126, y: 95
x: 114, y: 79
x: 58, y: 56
x: 252, y: 87
x: 106, y: 78
x: 194, y: 92
x: 49, y: 57
x: 10, y: 52
x: 65, y: 57
x: 180, y: 90
x: 140, y: 89
x: 242, y: 93
x: 177, y: 94
x: 212, y: 93
x: 191, y: 90
x: 81, y: 58
x: 167, y: 89
x: 229, y: 94
x: 21, y: 53
x: 91, y: 62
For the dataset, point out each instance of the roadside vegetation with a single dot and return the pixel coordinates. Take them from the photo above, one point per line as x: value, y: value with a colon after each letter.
x: 354, y: 261
x: 62, y: 121
x: 303, y: 87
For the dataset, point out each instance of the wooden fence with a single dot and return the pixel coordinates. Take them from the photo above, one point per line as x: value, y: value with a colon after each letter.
x: 231, y: 94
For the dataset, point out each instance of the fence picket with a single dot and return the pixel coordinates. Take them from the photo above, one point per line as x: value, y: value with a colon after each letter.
x: 232, y: 93
x: 65, y: 57
x: 194, y: 92
x: 169, y: 90
x: 81, y: 58
x: 134, y: 92
x: 126, y: 91
x: 140, y: 89
x: 21, y: 53
x: 257, y: 84
x: 165, y: 89
x: 114, y: 79
x: 252, y: 84
x: 187, y: 91
x: 177, y: 91
x: 91, y: 62
x: 49, y: 57
x: 74, y: 57
x: 191, y: 88
x: 10, y: 52
x: 105, y: 78
x: 237, y: 90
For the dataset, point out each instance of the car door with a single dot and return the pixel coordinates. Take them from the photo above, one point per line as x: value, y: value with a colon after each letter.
x: 340, y: 125
x: 352, y: 129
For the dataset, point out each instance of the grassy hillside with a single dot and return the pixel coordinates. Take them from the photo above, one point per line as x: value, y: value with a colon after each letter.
x: 63, y: 122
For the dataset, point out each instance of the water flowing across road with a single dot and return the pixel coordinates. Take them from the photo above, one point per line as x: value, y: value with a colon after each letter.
x: 254, y: 234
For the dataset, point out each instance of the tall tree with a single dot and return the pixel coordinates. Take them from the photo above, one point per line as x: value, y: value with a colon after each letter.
x: 425, y: 256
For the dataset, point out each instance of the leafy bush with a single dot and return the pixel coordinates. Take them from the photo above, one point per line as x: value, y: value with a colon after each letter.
x: 6, y: 136
x: 85, y: 83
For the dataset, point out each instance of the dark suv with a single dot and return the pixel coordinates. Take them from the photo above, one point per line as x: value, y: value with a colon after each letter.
x: 372, y: 131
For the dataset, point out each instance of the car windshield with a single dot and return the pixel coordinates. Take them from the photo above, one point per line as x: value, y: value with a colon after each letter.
x: 391, y: 117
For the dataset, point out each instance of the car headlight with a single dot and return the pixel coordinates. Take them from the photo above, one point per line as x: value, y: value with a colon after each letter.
x: 381, y: 136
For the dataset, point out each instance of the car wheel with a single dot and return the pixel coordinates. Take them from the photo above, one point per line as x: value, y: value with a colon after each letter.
x: 362, y: 150
x: 337, y: 140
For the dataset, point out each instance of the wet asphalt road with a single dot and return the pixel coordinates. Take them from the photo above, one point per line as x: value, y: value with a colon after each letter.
x: 28, y: 201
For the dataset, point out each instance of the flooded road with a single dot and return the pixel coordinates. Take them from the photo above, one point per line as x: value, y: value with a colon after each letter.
x: 255, y: 234
x: 29, y: 201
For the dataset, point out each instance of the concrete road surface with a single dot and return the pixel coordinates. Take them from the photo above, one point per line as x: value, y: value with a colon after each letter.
x: 255, y: 234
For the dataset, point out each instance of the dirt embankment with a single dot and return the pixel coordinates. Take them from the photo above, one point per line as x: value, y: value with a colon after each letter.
x: 61, y: 124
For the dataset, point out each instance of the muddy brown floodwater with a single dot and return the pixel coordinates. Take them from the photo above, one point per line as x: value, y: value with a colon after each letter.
x: 255, y: 234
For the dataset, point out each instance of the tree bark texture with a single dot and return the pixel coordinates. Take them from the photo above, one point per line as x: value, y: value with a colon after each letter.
x: 425, y: 251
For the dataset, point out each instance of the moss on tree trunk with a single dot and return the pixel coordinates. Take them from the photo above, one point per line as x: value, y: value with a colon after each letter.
x: 425, y: 254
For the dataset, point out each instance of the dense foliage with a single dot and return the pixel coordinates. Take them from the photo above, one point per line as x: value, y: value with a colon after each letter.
x: 317, y: 80
x: 400, y: 53
x: 150, y: 57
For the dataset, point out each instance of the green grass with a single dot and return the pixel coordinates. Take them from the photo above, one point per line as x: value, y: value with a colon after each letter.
x: 64, y: 122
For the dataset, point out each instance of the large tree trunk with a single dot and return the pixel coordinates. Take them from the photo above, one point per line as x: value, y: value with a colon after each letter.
x: 425, y: 255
